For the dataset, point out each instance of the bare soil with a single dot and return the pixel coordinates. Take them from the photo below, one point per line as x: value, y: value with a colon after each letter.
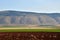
x: 29, y: 36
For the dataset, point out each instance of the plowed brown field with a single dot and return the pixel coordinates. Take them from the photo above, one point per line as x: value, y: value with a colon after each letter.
x: 29, y: 36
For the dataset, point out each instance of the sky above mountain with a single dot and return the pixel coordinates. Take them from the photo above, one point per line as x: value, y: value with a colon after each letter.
x: 31, y: 5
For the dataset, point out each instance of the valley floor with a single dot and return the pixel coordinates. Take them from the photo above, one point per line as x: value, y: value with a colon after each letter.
x: 27, y: 28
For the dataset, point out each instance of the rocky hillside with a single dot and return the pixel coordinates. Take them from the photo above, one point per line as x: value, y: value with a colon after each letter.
x: 28, y: 18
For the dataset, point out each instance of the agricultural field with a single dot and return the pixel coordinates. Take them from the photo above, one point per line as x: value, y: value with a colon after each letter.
x: 29, y: 29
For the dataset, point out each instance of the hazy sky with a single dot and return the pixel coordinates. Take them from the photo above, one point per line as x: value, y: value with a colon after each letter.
x: 31, y: 5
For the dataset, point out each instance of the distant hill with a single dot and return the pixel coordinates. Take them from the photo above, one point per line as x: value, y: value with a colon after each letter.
x: 28, y: 18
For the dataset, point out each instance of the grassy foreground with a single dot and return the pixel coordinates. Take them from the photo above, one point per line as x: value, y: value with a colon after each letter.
x: 30, y: 30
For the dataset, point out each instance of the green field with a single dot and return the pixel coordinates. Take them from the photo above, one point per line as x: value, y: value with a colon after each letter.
x: 30, y: 30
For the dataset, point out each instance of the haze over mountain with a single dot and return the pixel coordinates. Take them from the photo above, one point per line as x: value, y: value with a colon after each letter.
x: 28, y: 18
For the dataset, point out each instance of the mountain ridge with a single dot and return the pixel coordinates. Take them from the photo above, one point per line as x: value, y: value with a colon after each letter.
x: 29, y: 18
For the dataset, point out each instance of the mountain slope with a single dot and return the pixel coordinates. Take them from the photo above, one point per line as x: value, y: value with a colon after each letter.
x: 28, y: 18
